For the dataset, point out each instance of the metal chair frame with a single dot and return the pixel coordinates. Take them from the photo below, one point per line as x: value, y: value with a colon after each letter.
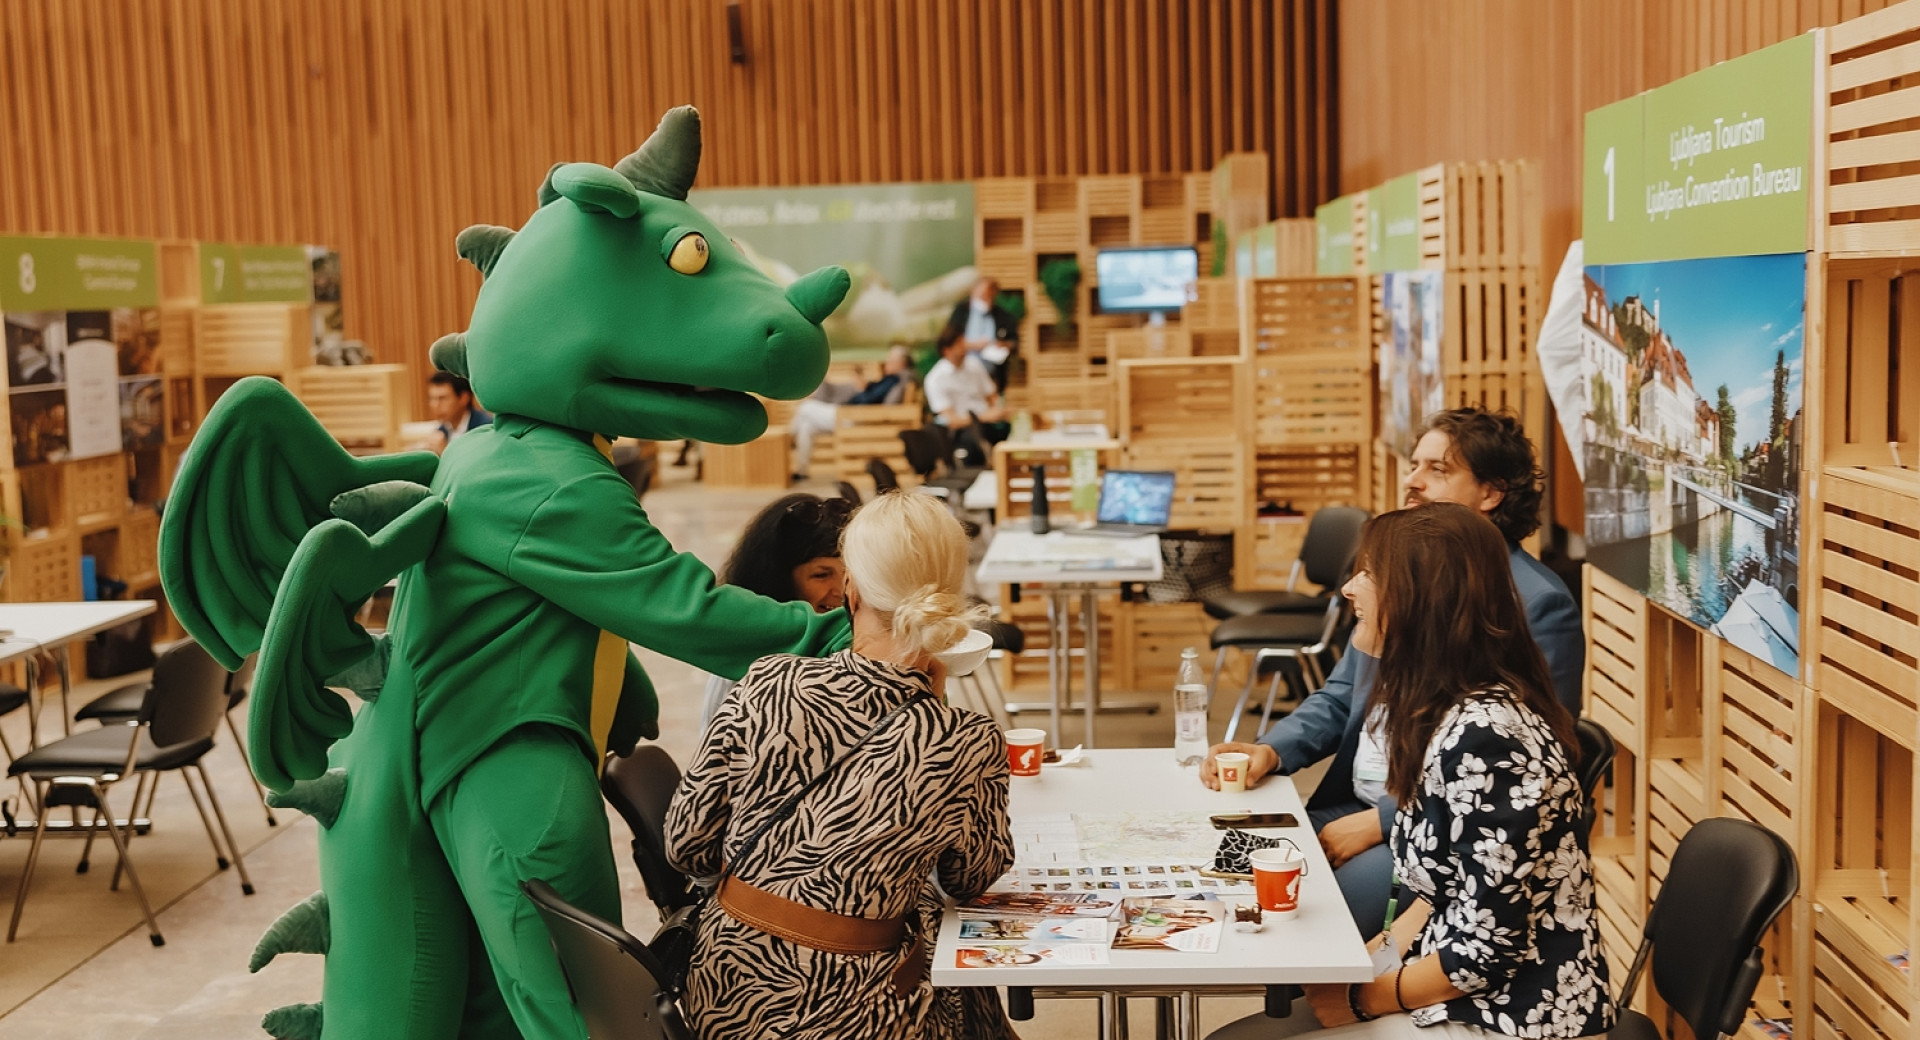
x: 1306, y: 656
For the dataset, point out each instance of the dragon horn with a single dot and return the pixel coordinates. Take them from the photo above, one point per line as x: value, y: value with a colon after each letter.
x: 666, y: 164
x: 482, y: 244
x: 303, y: 929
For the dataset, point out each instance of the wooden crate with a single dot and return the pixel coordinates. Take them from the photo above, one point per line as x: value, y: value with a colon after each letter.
x: 1003, y: 197
x: 1871, y: 410
x: 1357, y: 213
x: 97, y: 490
x: 1156, y: 633
x: 1761, y: 744
x: 1164, y: 342
x: 873, y: 432
x: 43, y: 570
x: 1215, y: 305
x: 1307, y: 319
x: 1166, y: 210
x: 1867, y: 635
x: 1384, y: 492
x: 1011, y: 266
x: 1308, y: 477
x: 1620, y: 859
x: 1678, y: 707
x: 1200, y: 192
x: 1026, y: 672
x: 1861, y: 866
x: 1492, y: 319
x: 1056, y: 367
x: 1676, y: 800
x: 1311, y: 402
x: 1523, y: 394
x: 1003, y: 217
x: 1079, y: 393
x: 1488, y: 215
x: 1264, y: 551
x: 1240, y: 183
x: 761, y: 462
x: 1220, y: 343
x: 1296, y: 247
x: 1869, y: 203
x: 1210, y: 478
x: 360, y: 405
x: 244, y: 339
x: 1057, y: 226
x: 140, y: 549
x: 1183, y: 399
x: 1013, y: 473
x: 176, y: 341
x: 1617, y: 655
x: 179, y: 271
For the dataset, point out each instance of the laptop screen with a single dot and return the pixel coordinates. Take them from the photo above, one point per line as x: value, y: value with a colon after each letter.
x: 1136, y: 497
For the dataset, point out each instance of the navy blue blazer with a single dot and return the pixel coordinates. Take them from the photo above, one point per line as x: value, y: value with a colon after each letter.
x: 1327, y: 724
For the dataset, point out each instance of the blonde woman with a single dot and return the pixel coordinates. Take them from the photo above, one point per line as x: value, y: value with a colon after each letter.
x: 827, y: 791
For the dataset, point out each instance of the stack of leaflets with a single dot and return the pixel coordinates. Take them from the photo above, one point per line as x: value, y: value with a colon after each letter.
x: 1026, y: 929
x: 1190, y: 925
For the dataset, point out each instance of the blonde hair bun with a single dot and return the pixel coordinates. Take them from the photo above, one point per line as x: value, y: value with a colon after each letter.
x: 908, y: 557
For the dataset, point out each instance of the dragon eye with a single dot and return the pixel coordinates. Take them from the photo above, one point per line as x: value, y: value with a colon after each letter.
x: 689, y: 254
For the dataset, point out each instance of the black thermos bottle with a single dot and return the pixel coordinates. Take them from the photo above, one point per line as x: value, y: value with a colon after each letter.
x: 1042, y: 523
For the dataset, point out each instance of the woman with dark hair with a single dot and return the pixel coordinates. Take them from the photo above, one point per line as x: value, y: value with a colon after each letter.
x: 790, y: 551
x: 1464, y: 732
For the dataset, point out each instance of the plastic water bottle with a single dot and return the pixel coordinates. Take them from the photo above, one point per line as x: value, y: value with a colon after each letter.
x: 1189, y: 711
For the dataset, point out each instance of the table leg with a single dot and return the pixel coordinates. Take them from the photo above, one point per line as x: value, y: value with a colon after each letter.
x: 1187, y: 1015
x: 1090, y: 617
x: 65, y: 660
x: 1058, y: 661
x: 1111, y: 1005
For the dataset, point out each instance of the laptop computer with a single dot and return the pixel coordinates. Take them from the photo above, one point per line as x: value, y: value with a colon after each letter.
x: 1133, y: 503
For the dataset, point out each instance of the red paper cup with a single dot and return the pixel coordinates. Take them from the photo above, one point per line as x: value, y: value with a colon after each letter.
x: 1024, y: 748
x: 1276, y: 879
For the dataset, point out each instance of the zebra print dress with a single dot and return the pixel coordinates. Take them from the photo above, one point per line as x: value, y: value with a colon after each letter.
x: 927, y: 796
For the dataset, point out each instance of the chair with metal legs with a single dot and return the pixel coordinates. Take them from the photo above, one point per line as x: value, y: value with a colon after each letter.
x: 1271, y: 640
x: 172, y: 731
x: 122, y: 704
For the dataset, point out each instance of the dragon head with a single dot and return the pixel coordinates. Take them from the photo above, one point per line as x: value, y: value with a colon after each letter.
x: 619, y: 309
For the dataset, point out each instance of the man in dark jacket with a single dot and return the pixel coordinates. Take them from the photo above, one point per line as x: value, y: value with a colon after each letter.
x: 987, y: 329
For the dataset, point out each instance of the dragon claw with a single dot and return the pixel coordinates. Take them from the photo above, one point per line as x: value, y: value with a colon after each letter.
x: 319, y: 798
x: 303, y: 929
x: 293, y: 1022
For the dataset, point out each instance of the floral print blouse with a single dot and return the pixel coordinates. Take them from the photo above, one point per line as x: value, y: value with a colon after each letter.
x: 1497, y: 843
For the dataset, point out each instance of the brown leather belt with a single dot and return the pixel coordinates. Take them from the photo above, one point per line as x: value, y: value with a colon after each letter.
x: 823, y: 929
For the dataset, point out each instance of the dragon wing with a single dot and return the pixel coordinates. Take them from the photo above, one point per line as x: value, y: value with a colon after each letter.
x: 260, y: 474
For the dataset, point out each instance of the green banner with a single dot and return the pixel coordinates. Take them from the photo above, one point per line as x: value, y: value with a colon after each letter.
x: 1715, y: 164
x: 254, y: 274
x: 59, y: 274
x: 1266, y: 251
x: 1333, y: 236
x: 909, y: 248
x: 1243, y: 255
x: 1393, y: 225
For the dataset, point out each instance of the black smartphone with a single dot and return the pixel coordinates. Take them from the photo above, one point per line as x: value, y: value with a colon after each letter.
x: 1233, y: 821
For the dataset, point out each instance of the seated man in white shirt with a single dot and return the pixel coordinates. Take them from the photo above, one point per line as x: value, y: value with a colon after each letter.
x: 962, y: 397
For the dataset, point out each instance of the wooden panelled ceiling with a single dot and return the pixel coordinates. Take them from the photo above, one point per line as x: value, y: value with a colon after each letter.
x: 382, y: 127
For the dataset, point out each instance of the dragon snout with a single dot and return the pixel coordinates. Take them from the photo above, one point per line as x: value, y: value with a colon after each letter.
x: 816, y: 295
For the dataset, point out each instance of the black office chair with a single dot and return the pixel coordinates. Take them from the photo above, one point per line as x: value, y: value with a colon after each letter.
x: 883, y: 476
x: 172, y: 731
x: 121, y: 705
x: 1596, y: 757
x: 847, y: 491
x: 1333, y: 535
x: 616, y: 982
x: 929, y: 451
x: 640, y: 787
x: 1728, y: 881
x: 1309, y: 642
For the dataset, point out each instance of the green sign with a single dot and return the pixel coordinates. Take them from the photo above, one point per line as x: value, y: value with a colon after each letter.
x: 1713, y: 164
x: 71, y: 274
x: 1393, y: 225
x: 1084, y: 470
x: 254, y: 274
x: 1266, y: 251
x: 909, y: 248
x: 1243, y: 255
x: 1333, y: 236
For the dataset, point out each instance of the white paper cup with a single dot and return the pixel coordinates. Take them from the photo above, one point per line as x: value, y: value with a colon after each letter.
x: 1231, y: 767
x: 1024, y: 748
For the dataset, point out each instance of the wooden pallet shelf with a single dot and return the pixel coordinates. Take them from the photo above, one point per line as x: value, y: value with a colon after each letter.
x: 1871, y: 408
x: 1210, y: 478
x: 1308, y: 478
x: 1265, y: 549
x: 1307, y: 319
x: 1869, y: 204
x: 1867, y: 633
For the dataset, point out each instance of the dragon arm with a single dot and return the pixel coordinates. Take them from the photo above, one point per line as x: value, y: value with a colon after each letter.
x: 311, y: 635
x: 590, y: 549
x: 260, y: 474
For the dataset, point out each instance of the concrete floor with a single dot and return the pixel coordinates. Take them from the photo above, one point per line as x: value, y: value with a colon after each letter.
x: 83, y: 968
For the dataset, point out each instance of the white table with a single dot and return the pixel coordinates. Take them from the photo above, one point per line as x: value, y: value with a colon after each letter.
x: 53, y: 627
x: 1066, y: 565
x: 1317, y: 943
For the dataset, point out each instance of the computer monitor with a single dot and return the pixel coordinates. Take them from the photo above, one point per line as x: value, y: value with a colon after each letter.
x: 1146, y: 279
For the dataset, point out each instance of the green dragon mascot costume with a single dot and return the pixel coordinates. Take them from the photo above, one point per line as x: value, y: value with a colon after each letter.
x: 526, y: 565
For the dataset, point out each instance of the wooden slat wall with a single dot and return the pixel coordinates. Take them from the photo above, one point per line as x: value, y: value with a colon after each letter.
x: 382, y: 127
x: 1445, y: 80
